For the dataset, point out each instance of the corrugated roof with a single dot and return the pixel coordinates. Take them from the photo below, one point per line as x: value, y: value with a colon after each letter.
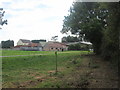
x: 55, y: 45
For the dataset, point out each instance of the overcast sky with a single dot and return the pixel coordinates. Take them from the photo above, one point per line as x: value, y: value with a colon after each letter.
x: 33, y: 19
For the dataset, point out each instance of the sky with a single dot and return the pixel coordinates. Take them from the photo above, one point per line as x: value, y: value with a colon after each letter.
x: 33, y: 19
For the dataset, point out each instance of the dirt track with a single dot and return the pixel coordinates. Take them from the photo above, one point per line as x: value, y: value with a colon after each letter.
x: 93, y: 73
x: 97, y: 73
x: 103, y: 75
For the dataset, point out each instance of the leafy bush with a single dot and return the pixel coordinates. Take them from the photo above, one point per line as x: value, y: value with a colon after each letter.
x: 80, y: 47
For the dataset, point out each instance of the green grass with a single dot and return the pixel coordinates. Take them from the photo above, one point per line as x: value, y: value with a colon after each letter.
x: 20, y: 70
x: 17, y: 52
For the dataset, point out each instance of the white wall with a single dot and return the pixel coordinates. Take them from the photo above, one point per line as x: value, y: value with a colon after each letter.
x: 21, y: 43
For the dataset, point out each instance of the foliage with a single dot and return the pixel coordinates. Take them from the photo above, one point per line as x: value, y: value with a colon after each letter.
x: 97, y: 22
x: 110, y: 43
x: 7, y: 44
x: 74, y: 47
x: 79, y: 47
x: 70, y: 39
x: 2, y: 22
x: 54, y: 38
x: 87, y: 20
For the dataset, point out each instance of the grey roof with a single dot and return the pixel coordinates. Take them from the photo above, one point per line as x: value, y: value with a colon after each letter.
x: 88, y: 43
x: 25, y: 41
x: 71, y: 43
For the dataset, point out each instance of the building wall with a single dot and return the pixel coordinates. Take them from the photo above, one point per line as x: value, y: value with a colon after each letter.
x: 65, y: 48
x: 32, y: 48
x: 56, y: 49
x: 47, y: 48
x: 29, y: 48
x: 16, y: 48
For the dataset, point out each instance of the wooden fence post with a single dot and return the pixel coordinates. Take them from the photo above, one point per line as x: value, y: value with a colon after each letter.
x: 56, y: 60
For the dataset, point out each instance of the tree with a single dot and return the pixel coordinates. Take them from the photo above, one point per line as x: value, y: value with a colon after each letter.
x: 87, y: 19
x: 110, y: 42
x: 74, y: 47
x: 7, y: 44
x: 100, y: 24
x: 70, y: 39
x: 2, y: 22
x: 54, y: 38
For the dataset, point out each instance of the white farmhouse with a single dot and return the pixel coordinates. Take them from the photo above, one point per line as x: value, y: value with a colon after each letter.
x: 24, y: 42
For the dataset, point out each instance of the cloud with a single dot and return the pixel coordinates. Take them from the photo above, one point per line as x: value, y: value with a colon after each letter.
x: 33, y: 19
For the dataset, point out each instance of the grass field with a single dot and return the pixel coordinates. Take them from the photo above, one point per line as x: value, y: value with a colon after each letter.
x: 15, y: 52
x: 76, y: 69
x: 36, y: 71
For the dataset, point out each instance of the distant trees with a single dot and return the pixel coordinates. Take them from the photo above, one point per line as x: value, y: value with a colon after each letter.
x: 80, y: 46
x: 7, y: 44
x: 70, y: 39
x: 74, y: 47
x: 37, y: 41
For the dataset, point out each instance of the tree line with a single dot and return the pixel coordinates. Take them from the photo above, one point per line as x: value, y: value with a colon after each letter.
x: 7, y: 44
x: 97, y: 22
x: 70, y: 39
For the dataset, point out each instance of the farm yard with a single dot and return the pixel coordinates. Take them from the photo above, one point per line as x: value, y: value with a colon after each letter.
x: 76, y: 69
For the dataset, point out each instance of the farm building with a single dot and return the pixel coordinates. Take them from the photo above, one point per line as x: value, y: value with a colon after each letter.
x: 43, y: 44
x: 27, y: 45
x: 31, y: 47
x: 55, y: 46
x: 24, y: 42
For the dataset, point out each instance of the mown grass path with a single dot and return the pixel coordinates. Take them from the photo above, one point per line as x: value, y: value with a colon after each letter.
x: 103, y: 74
x: 17, y: 52
x: 23, y: 55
